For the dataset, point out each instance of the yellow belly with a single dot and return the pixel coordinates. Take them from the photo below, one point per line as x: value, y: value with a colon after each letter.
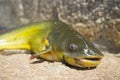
x: 51, y: 56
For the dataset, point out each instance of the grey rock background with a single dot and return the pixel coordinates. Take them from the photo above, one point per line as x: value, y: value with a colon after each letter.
x: 96, y: 19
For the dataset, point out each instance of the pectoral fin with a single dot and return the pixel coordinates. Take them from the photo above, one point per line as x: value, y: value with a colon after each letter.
x: 47, y: 49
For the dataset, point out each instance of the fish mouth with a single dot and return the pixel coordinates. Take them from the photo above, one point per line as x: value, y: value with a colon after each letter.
x: 89, y: 61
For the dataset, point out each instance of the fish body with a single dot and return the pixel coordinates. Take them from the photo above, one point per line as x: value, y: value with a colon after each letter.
x: 54, y: 41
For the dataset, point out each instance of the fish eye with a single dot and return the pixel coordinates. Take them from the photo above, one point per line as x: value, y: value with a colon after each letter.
x: 72, y: 47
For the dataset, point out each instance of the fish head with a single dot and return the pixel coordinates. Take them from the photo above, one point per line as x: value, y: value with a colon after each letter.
x: 81, y: 52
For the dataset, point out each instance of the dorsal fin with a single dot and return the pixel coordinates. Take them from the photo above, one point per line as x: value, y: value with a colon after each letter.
x: 55, y: 12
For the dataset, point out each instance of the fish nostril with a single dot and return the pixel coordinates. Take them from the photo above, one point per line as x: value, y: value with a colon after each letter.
x: 90, y: 52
